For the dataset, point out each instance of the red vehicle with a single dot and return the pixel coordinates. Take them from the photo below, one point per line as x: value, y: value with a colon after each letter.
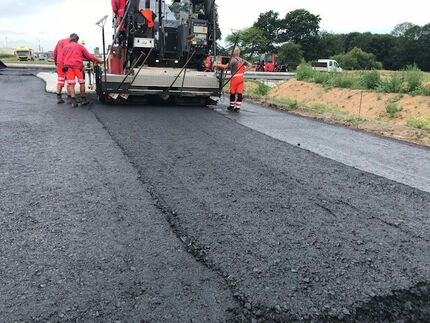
x: 51, y: 56
x: 268, y: 63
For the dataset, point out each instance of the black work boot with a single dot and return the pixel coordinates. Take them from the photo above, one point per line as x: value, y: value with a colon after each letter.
x: 69, y: 99
x: 74, y: 103
x: 230, y: 108
x: 59, y: 99
x: 84, y: 100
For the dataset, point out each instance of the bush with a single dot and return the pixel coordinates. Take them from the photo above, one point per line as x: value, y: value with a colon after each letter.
x: 6, y: 56
x: 413, y: 79
x: 305, y: 72
x: 393, y: 84
x: 391, y: 108
x: 290, y: 53
x: 321, y: 77
x: 357, y: 59
x: 424, y: 90
x: 419, y: 122
x: 261, y: 89
x: 343, y: 80
x: 371, y: 80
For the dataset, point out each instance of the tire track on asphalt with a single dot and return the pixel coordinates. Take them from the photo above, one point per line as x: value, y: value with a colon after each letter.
x: 196, y: 248
x: 189, y: 244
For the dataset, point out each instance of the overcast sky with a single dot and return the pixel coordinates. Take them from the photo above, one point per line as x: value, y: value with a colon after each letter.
x: 26, y: 22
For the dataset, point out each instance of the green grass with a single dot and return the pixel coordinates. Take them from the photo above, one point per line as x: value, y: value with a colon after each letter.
x: 391, y: 108
x: 13, y: 60
x: 288, y: 103
x: 355, y: 119
x: 419, y: 122
x: 260, y: 91
x: 411, y: 80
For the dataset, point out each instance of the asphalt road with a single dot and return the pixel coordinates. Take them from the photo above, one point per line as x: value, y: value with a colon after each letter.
x: 402, y: 162
x: 163, y: 213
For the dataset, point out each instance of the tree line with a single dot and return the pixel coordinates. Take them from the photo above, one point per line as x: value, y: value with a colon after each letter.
x: 298, y: 36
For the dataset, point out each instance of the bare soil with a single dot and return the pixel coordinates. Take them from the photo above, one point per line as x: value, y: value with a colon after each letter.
x: 343, y: 104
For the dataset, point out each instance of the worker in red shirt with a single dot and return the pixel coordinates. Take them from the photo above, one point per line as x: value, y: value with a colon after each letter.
x: 58, y: 58
x: 238, y: 67
x: 74, y: 55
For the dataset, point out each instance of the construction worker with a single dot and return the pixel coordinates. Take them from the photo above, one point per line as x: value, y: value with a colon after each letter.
x: 238, y: 67
x: 118, y: 7
x: 74, y: 55
x: 58, y: 59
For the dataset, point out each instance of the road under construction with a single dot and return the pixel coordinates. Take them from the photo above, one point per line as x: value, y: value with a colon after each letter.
x: 168, y: 213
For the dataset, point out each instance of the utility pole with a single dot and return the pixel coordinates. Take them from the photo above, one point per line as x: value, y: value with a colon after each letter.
x: 214, y: 27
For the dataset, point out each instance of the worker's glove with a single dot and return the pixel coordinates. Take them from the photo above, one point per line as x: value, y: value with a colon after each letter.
x: 65, y: 69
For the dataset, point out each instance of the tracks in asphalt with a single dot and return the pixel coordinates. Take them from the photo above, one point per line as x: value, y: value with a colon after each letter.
x: 80, y: 236
x: 283, y: 233
x: 298, y: 235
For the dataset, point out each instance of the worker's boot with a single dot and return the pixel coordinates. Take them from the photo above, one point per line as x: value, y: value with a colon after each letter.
x: 84, y: 100
x: 74, y: 103
x: 230, y: 108
x: 69, y: 99
x: 59, y: 99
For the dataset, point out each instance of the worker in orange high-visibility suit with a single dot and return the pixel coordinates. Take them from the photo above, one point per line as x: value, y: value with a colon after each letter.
x: 238, y: 67
x: 74, y: 55
x: 118, y: 7
x: 58, y: 59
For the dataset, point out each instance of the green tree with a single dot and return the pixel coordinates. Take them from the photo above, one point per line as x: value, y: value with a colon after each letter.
x: 290, y: 53
x: 330, y: 44
x: 357, y: 59
x: 301, y: 27
x: 269, y: 25
x: 423, y: 54
x: 251, y: 42
x: 401, y: 29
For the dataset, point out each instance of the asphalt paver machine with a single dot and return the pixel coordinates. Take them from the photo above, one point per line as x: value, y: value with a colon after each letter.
x: 155, y: 53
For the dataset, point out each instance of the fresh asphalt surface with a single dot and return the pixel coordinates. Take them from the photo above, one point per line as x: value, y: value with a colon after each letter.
x: 404, y: 163
x: 165, y: 213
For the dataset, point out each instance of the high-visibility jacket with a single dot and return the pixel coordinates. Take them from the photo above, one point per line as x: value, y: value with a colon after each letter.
x: 115, y: 6
x: 75, y: 54
x: 237, y: 66
x: 58, y: 51
x: 122, y: 4
x: 148, y: 16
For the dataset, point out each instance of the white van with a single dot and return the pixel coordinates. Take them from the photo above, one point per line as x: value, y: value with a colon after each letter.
x: 326, y: 65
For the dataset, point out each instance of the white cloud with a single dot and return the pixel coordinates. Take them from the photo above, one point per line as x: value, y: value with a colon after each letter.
x: 336, y: 15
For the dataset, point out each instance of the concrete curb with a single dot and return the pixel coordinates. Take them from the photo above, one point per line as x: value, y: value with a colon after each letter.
x: 51, y: 83
x: 30, y: 66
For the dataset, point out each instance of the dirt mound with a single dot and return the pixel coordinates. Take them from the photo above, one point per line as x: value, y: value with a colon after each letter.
x: 355, y: 102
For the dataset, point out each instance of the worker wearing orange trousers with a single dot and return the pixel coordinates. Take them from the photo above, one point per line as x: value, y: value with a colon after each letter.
x: 58, y: 58
x: 74, y: 55
x: 238, y: 67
